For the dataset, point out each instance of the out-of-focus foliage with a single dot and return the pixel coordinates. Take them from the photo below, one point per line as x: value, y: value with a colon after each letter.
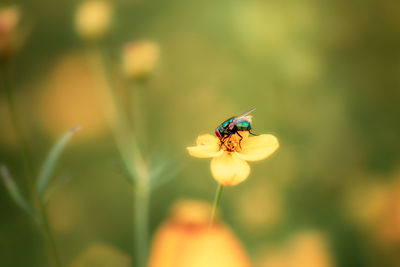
x: 323, y: 75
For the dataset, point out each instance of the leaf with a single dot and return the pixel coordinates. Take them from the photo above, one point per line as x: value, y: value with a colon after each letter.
x: 15, y: 194
x: 51, y: 160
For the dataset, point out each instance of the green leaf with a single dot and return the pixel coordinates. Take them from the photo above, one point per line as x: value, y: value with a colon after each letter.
x: 51, y: 160
x: 15, y: 194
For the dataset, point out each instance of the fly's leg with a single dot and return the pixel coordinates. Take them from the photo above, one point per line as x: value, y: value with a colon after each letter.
x: 241, y: 138
x: 253, y: 133
x: 222, y: 140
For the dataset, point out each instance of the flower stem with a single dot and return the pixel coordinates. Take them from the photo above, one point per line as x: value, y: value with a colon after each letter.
x: 216, y: 202
x: 5, y: 84
x: 142, y: 190
x: 141, y: 225
x: 43, y: 221
x: 138, y: 103
x: 130, y: 151
x: 49, y: 233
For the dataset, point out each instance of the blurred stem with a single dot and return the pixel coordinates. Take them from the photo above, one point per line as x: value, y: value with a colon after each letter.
x: 142, y: 190
x: 49, y: 233
x: 141, y: 219
x: 139, y: 116
x: 126, y: 144
x: 129, y: 150
x: 5, y: 83
x: 216, y: 203
x: 4, y: 73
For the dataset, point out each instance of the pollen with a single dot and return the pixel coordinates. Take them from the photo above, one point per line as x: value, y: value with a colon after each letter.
x: 232, y: 143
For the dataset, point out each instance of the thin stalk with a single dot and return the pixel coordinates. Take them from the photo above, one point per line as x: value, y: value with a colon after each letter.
x: 216, y: 203
x: 49, y: 234
x: 138, y: 108
x: 130, y: 153
x: 5, y: 84
x: 125, y: 142
x: 141, y: 225
x: 142, y: 190
x: 43, y: 221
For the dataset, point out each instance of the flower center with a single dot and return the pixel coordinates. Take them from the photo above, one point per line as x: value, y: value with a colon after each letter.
x: 231, y: 143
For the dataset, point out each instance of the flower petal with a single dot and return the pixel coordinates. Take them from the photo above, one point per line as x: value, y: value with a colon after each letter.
x: 258, y: 147
x: 207, y: 147
x: 228, y: 169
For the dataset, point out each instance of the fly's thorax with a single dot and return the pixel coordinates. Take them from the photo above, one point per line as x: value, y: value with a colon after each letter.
x: 224, y: 127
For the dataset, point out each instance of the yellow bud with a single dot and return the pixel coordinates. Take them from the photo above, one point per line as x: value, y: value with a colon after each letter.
x: 139, y: 59
x: 93, y: 19
x: 9, y: 20
x: 187, y: 240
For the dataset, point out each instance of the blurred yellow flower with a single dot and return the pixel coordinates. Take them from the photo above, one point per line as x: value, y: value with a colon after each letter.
x: 229, y: 164
x: 67, y: 97
x: 9, y: 20
x: 310, y: 249
x: 304, y: 249
x: 93, y: 19
x: 139, y: 59
x: 187, y: 240
x: 259, y: 196
x: 375, y: 206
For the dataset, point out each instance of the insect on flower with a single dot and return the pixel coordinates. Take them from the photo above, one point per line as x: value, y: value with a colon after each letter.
x: 232, y: 148
x: 233, y: 125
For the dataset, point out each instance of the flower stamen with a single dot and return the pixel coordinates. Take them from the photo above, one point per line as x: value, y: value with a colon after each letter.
x: 231, y: 144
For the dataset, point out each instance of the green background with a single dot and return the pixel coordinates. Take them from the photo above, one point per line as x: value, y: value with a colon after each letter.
x: 323, y: 75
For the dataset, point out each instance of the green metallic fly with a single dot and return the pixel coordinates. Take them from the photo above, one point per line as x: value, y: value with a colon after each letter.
x: 233, y: 125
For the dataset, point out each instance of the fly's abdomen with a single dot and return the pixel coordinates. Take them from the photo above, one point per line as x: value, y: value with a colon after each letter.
x: 243, y: 126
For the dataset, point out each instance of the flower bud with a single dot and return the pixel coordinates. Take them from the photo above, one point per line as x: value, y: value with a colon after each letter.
x: 9, y: 20
x: 139, y: 59
x: 187, y: 240
x: 93, y: 19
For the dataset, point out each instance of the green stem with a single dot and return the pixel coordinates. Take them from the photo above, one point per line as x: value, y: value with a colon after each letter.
x: 49, y: 233
x: 142, y: 192
x: 27, y: 159
x: 139, y: 117
x: 4, y: 68
x: 141, y: 225
x: 216, y: 203
x: 117, y: 120
x: 130, y: 153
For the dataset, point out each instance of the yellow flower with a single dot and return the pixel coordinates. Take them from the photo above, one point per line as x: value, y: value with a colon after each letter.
x: 186, y: 239
x: 229, y: 164
x: 93, y: 19
x: 139, y: 59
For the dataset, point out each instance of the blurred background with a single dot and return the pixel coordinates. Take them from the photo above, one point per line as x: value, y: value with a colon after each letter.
x: 323, y: 75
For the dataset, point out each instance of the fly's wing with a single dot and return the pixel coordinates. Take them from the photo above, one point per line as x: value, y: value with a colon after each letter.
x: 241, y: 118
x: 246, y: 113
